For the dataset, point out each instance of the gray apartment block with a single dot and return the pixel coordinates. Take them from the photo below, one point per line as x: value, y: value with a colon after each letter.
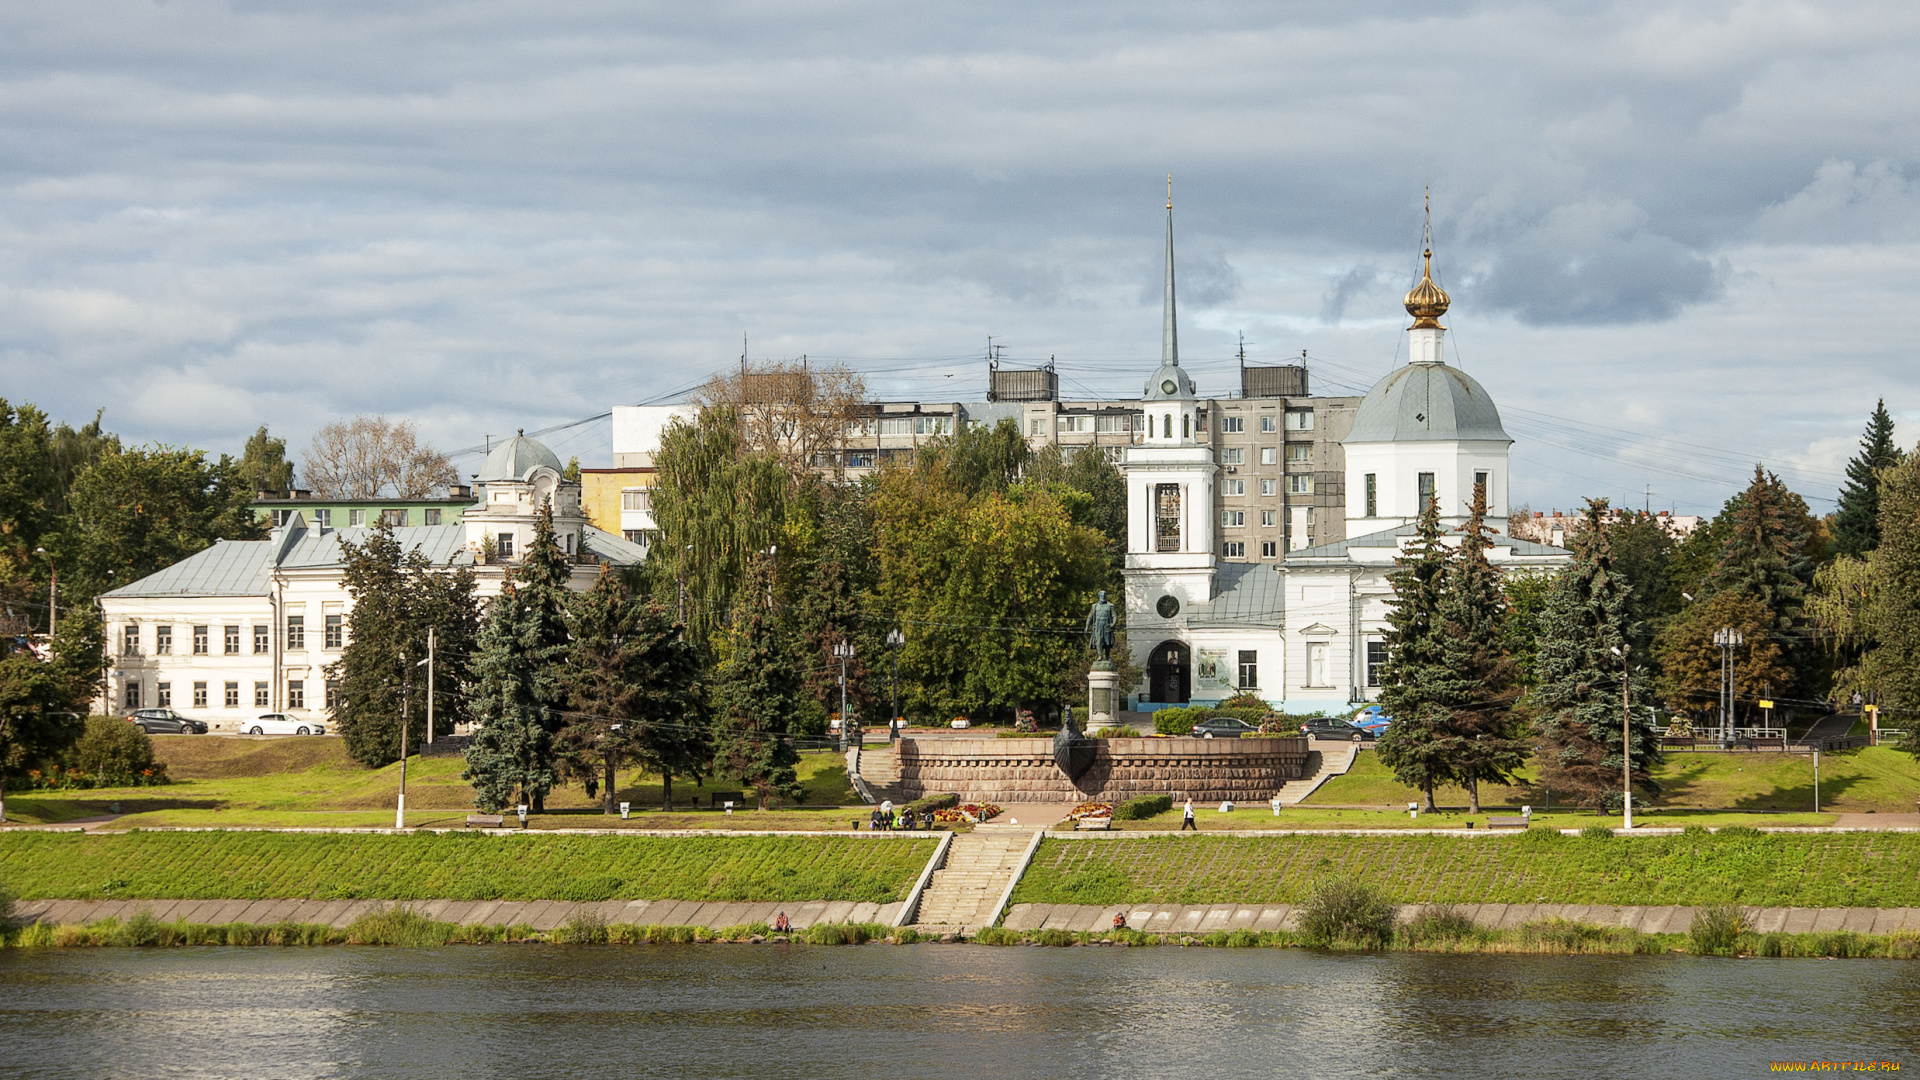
x: 1282, y: 469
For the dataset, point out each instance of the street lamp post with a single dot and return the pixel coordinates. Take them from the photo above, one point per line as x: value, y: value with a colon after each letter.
x: 1626, y: 736
x: 406, y: 693
x: 895, y: 639
x: 1728, y: 639
x: 843, y: 651
x: 53, y: 592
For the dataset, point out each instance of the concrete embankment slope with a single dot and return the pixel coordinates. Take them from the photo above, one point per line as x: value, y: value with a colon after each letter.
x: 538, y: 914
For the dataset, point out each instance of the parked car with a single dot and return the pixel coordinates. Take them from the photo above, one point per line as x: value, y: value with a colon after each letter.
x: 1223, y: 727
x: 1332, y: 727
x: 274, y: 723
x: 165, y: 722
x: 1372, y: 719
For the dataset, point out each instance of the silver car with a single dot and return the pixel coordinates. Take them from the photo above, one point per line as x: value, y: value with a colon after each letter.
x: 274, y: 723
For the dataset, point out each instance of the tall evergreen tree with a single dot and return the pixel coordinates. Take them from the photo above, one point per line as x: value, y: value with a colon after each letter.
x: 1484, y: 741
x: 1577, y: 676
x: 1769, y: 556
x: 1415, y: 745
x: 1895, y: 597
x: 397, y: 597
x: 635, y: 684
x: 758, y: 690
x: 1856, y: 521
x: 518, y: 693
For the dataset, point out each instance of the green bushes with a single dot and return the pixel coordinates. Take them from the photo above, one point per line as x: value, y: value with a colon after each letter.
x: 1596, y: 832
x: 931, y: 803
x: 398, y: 926
x: 841, y: 933
x: 113, y: 748
x: 1344, y: 912
x: 1716, y: 930
x: 1439, y: 924
x: 1178, y: 721
x: 247, y: 865
x: 1141, y: 807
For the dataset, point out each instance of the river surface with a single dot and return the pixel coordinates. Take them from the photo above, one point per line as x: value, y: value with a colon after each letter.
x: 881, y: 1012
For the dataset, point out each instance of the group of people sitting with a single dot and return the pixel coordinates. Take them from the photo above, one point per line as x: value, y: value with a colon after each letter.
x: 887, y: 819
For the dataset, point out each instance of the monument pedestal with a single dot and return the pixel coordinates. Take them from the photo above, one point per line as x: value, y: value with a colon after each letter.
x: 1103, y: 696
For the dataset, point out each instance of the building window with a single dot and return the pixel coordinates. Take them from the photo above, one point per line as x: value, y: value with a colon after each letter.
x: 261, y: 642
x: 1299, y: 419
x: 432, y: 515
x: 917, y: 425
x: 1300, y: 451
x: 133, y: 694
x: 1484, y: 483
x: 296, y: 693
x: 1267, y: 423
x: 1166, y: 426
x: 1233, y: 487
x: 163, y: 641
x: 1269, y: 487
x: 1300, y: 485
x: 1186, y: 429
x: 1249, y: 669
x: 1074, y: 425
x: 636, y: 499
x: 333, y: 694
x: 1269, y: 518
x: 1233, y: 519
x: 1373, y: 495
x: 1316, y: 661
x: 356, y: 517
x: 199, y: 695
x: 233, y: 695
x: 1037, y: 428
x: 296, y: 631
x: 504, y: 545
x: 323, y: 518
x: 130, y: 640
x: 233, y: 640
x: 1426, y: 491
x: 1269, y: 455
x: 1233, y: 455
x: 1232, y: 424
x: 1113, y: 423
x: 163, y: 695
x: 1269, y: 549
x: 260, y: 696
x: 1234, y: 549
x: 396, y: 518
x: 336, y: 631
x: 1376, y: 661
x: 1166, y: 517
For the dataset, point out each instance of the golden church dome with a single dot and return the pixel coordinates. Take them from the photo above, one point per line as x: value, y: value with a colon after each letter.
x: 1427, y: 302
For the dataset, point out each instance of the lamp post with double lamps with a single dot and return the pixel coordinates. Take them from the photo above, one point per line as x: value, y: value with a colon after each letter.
x: 843, y: 652
x: 895, y: 639
x: 406, y: 692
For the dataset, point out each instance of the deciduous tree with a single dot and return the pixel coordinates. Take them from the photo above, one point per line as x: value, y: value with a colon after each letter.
x: 371, y: 457
x: 1689, y: 680
x: 790, y: 411
x: 138, y: 511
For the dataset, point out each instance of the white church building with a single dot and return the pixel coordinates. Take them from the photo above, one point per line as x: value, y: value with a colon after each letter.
x: 1306, y: 634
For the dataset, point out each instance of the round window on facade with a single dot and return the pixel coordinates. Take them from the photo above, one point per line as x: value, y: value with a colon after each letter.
x: 1168, y: 386
x: 1168, y: 607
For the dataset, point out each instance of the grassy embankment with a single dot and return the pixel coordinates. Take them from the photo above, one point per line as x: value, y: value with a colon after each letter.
x: 311, y: 782
x: 1859, y: 869
x: 1697, y: 789
x: 253, y: 865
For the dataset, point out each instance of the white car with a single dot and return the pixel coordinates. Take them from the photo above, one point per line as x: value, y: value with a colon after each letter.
x: 274, y: 723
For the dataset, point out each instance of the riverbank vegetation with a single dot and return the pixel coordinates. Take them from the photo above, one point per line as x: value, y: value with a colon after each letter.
x: 259, y: 865
x: 1734, y: 865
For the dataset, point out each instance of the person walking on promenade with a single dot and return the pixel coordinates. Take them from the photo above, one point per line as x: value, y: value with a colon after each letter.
x: 1186, y: 818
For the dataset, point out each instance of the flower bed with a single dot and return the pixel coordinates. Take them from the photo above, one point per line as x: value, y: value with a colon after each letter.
x: 1090, y: 810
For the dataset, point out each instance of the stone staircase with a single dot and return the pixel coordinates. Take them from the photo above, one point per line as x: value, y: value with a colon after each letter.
x: 980, y: 866
x: 1320, y: 767
x: 878, y: 768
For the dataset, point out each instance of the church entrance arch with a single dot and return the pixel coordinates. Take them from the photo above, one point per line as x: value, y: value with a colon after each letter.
x: 1168, y: 673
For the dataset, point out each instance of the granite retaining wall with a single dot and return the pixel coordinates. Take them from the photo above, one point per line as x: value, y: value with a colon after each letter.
x: 539, y: 914
x: 1023, y: 770
x: 1207, y: 918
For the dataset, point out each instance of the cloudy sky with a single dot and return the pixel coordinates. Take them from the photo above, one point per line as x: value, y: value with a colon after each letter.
x: 1681, y: 238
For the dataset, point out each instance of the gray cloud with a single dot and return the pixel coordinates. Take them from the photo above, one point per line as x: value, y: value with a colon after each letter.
x: 483, y: 215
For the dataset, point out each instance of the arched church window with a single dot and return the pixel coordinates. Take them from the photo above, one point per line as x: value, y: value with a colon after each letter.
x: 1166, y: 426
x: 1186, y: 430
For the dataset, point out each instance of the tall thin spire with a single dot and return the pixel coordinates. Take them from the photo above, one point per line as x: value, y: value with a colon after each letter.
x: 1169, y: 335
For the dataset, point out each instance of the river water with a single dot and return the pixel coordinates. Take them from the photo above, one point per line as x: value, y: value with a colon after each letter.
x: 886, y: 1012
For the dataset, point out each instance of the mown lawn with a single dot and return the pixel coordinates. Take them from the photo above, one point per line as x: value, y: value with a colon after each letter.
x: 1308, y: 816
x: 227, y: 781
x: 1858, y: 869
x: 1877, y: 778
x: 245, y: 865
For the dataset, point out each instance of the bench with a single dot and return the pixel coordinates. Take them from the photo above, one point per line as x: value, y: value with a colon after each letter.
x: 1507, y: 823
x: 1767, y: 742
x: 490, y: 821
